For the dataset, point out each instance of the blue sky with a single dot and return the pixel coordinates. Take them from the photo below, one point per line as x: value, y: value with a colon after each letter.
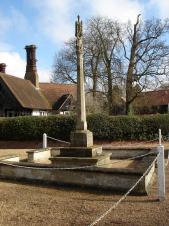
x: 49, y: 23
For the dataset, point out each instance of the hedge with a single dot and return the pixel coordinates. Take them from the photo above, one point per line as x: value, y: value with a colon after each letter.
x: 103, y: 127
x: 128, y: 127
x: 32, y: 127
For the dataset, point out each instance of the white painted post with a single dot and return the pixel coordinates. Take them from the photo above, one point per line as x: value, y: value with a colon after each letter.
x: 44, y: 140
x: 161, y: 173
x: 159, y: 136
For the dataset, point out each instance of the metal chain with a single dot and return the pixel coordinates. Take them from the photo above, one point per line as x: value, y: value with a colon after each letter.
x: 123, y: 197
x: 52, y: 138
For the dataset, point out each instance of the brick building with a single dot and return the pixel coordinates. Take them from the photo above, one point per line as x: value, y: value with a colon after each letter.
x: 152, y: 102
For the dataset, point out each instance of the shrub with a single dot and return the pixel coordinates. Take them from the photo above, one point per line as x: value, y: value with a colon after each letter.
x: 29, y: 127
x: 114, y: 127
x: 128, y: 127
x: 103, y: 127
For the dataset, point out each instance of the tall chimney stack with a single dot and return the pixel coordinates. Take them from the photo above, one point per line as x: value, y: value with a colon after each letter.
x: 31, y: 70
x: 2, y: 68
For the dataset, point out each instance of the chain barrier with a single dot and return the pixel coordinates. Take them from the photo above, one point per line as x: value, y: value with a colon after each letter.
x: 124, y: 196
x: 62, y: 141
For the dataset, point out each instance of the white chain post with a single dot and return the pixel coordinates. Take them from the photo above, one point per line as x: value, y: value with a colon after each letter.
x: 161, y: 169
x: 44, y: 140
x: 159, y: 136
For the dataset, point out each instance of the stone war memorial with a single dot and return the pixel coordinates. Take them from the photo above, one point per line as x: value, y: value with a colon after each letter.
x: 81, y: 147
x: 82, y: 163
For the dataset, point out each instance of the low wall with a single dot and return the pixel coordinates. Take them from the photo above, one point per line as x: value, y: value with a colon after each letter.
x: 115, y: 179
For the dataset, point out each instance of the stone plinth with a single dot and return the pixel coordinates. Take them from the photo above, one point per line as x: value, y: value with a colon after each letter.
x: 81, y: 138
x: 80, y: 151
x: 101, y: 160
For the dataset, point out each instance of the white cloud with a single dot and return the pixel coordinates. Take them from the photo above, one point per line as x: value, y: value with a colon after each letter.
x: 44, y: 75
x: 5, y: 46
x: 5, y: 24
x: 19, y: 21
x: 15, y: 21
x: 162, y: 5
x: 122, y: 10
x: 54, y: 18
x: 16, y: 66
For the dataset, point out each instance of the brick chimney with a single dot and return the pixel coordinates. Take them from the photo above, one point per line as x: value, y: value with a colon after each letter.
x: 31, y: 70
x: 2, y: 68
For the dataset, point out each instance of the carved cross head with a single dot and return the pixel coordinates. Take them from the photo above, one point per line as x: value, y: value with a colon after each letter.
x: 78, y: 28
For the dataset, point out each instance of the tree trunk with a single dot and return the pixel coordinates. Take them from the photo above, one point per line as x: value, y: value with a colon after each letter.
x: 128, y: 108
x: 110, y: 92
x: 94, y: 84
x: 129, y: 82
x: 129, y: 86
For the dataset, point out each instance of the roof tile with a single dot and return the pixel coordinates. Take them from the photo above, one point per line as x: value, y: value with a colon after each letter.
x: 26, y: 94
x: 53, y: 91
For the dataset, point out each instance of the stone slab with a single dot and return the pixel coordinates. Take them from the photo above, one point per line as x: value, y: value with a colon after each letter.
x: 38, y: 155
x: 80, y: 161
x: 80, y: 151
x: 72, y: 161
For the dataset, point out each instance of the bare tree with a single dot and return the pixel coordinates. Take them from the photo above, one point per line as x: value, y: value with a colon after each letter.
x: 92, y: 59
x: 114, y: 54
x: 105, y: 33
x: 64, y: 68
x: 101, y: 62
x: 146, y: 54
